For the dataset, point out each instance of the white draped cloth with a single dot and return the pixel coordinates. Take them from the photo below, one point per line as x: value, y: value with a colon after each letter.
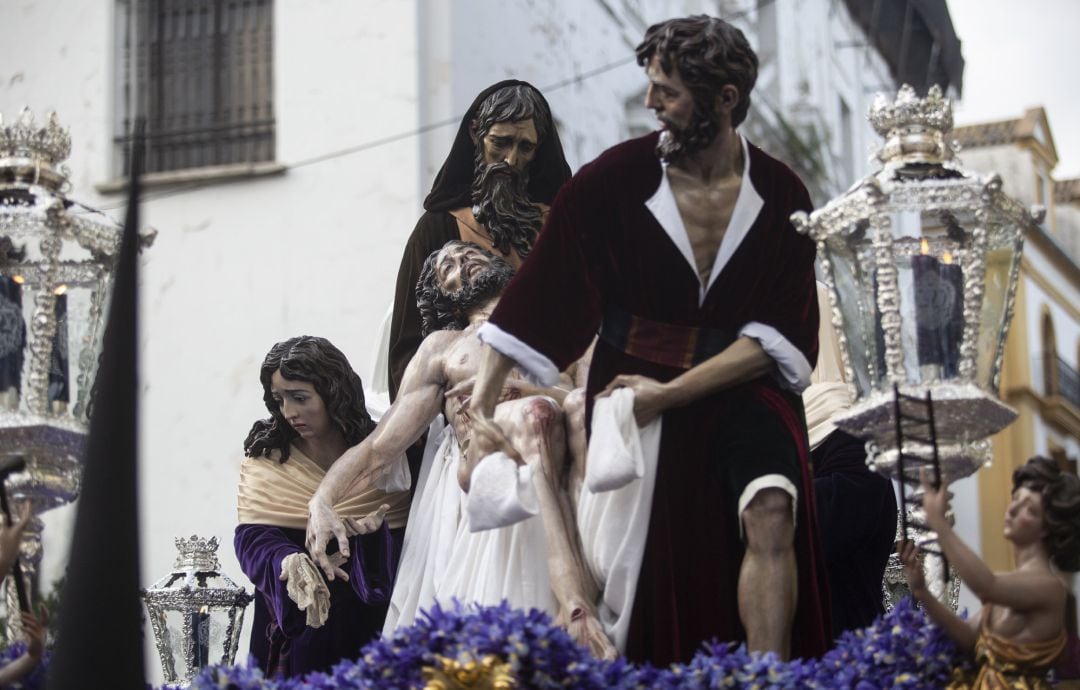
x: 442, y: 560
x: 613, y: 520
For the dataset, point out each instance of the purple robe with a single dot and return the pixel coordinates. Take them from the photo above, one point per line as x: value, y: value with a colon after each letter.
x: 281, y: 642
x: 603, y: 251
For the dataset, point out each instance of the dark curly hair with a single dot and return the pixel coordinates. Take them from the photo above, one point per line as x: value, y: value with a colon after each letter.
x: 318, y: 362
x: 1060, y: 493
x: 444, y: 311
x: 708, y: 53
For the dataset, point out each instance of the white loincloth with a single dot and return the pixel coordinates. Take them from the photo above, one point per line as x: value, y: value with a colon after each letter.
x: 442, y: 560
x: 613, y: 524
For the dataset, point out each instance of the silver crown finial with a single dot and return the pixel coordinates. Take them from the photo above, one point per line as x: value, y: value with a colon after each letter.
x: 196, y: 553
x: 33, y: 154
x: 914, y: 128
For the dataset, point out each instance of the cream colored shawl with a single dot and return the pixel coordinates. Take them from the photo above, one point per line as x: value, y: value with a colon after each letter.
x: 827, y: 393
x: 276, y: 493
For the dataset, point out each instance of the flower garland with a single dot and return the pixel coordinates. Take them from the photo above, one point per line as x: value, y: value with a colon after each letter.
x: 902, y: 649
x: 35, y: 680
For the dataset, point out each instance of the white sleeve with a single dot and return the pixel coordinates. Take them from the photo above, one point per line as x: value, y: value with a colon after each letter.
x: 535, y: 365
x: 793, y: 368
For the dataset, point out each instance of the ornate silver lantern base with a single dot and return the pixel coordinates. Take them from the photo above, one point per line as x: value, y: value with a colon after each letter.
x: 52, y: 447
x: 958, y: 460
x: 963, y: 407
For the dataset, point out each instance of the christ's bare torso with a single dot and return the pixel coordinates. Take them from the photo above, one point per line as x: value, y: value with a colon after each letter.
x: 461, y: 361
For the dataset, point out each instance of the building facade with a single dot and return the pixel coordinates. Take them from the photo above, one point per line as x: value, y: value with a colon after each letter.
x: 1042, y: 354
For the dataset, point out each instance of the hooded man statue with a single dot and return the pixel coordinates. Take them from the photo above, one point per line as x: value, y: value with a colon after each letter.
x: 504, y: 168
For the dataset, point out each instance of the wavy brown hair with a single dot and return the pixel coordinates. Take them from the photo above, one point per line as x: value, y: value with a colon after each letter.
x: 316, y: 361
x: 1060, y: 493
x: 708, y: 53
x: 443, y: 311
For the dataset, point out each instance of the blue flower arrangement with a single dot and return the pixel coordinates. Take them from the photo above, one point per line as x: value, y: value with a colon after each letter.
x: 902, y: 649
x: 35, y: 680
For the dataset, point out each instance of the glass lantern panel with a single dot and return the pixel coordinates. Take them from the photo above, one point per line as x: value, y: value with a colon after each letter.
x: 991, y: 340
x: 928, y: 254
x: 12, y: 342
x: 851, y: 260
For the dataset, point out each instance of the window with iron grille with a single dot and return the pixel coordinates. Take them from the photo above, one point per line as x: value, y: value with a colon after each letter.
x: 201, y: 72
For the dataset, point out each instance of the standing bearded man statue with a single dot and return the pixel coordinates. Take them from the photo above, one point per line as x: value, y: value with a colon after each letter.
x: 677, y: 248
x: 504, y: 168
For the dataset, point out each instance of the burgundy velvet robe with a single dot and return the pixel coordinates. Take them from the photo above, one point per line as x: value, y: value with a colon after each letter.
x: 281, y: 642
x: 602, y: 246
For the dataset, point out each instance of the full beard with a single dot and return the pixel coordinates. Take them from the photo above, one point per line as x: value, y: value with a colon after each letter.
x: 501, y: 202
x: 678, y: 142
x: 483, y: 286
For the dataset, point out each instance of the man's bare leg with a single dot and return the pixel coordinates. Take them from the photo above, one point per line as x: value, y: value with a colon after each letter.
x: 767, y: 578
x: 535, y: 427
x: 576, y: 444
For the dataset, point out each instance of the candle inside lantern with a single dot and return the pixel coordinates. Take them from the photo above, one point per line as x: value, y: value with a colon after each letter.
x: 939, y: 310
x: 200, y: 637
x: 12, y: 337
x: 59, y: 391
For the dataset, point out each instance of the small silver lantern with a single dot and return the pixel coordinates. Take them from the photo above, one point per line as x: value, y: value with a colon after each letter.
x: 56, y: 269
x: 195, y: 611
x: 921, y: 260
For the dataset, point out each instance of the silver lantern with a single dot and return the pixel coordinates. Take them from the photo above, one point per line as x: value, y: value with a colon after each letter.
x: 195, y: 611
x: 56, y: 269
x: 921, y: 260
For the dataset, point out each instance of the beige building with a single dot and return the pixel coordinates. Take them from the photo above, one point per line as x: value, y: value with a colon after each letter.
x: 1042, y: 355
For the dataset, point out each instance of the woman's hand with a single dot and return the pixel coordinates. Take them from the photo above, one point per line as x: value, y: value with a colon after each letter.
x: 935, y: 502
x: 913, y: 570
x: 35, y: 628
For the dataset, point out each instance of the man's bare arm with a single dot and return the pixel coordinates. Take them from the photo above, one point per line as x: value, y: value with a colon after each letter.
x: 743, y: 360
x: 494, y: 368
x: 419, y: 400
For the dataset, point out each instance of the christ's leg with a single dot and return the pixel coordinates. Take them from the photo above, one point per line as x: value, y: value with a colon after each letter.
x: 536, y: 430
x: 767, y: 578
x: 576, y: 444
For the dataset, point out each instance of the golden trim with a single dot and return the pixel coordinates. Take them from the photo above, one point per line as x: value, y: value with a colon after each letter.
x: 458, y: 674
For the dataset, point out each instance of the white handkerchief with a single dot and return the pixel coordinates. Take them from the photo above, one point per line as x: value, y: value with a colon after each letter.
x: 615, y: 457
x: 501, y: 493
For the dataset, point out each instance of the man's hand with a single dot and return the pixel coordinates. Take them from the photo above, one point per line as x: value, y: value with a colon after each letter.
x: 913, y: 570
x: 306, y: 588
x: 324, y: 524
x: 11, y: 537
x: 487, y: 438
x: 651, y: 397
x: 935, y: 502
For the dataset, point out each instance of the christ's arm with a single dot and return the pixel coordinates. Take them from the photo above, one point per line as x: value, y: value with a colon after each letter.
x: 419, y: 400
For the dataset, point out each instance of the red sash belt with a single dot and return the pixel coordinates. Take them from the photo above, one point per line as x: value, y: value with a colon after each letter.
x: 668, y: 344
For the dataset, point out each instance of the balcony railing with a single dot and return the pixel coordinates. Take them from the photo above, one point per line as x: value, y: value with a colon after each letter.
x: 1065, y: 380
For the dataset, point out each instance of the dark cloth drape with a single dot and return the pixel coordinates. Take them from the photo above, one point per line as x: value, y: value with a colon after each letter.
x: 453, y: 183
x: 432, y: 232
x: 602, y: 246
x: 857, y: 513
x: 281, y: 642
